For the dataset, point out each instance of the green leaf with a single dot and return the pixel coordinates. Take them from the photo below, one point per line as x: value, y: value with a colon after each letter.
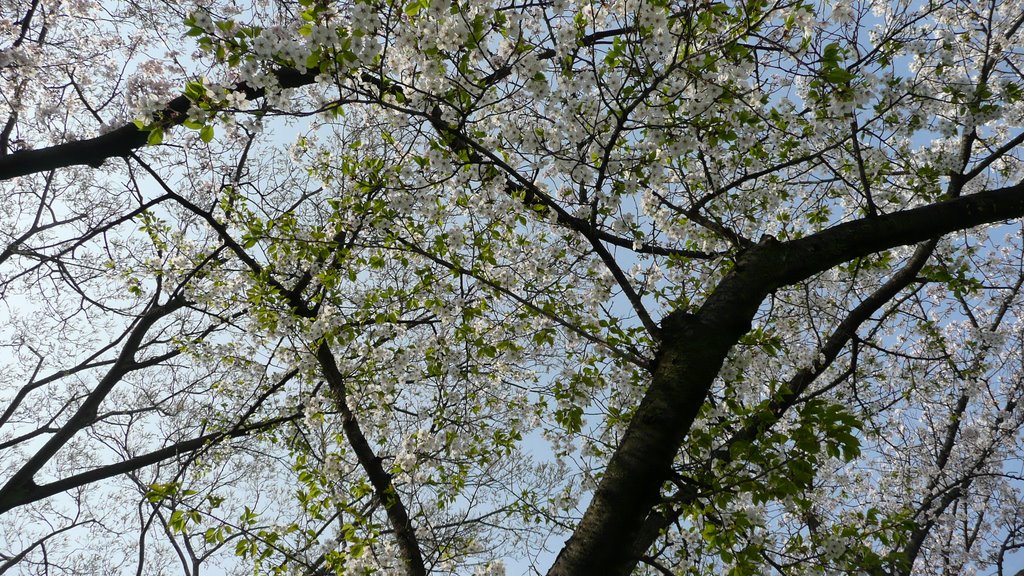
x: 177, y: 521
x: 158, y: 492
x: 413, y: 8
x: 195, y: 91
x: 206, y: 133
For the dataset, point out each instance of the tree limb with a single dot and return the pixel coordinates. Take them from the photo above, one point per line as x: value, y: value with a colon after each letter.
x: 693, y: 347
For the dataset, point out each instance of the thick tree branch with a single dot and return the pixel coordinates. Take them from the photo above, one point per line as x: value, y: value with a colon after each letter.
x: 380, y: 479
x: 239, y: 429
x: 124, y: 140
x: 693, y: 347
x: 21, y: 487
x: 794, y: 387
x: 40, y: 492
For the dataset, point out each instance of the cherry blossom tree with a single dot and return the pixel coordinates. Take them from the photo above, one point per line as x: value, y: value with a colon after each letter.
x: 556, y: 287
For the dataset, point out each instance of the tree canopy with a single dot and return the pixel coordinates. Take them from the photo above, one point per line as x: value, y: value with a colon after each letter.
x: 561, y: 287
